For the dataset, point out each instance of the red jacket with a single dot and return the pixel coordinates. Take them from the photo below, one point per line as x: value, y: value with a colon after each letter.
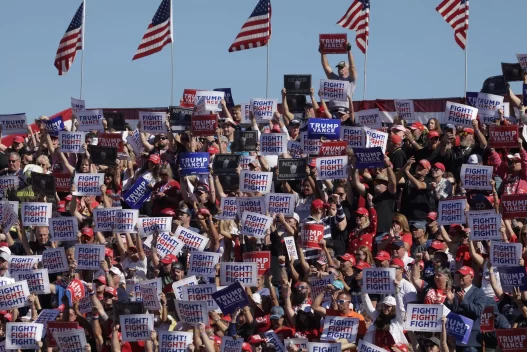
x: 364, y: 237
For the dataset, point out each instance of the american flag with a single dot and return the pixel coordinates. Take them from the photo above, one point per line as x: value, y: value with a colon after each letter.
x: 455, y: 13
x: 357, y: 18
x: 257, y: 29
x: 71, y: 42
x: 159, y: 32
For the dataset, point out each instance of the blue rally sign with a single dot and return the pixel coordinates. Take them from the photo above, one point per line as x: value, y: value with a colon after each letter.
x: 327, y: 128
x: 230, y: 298
x: 194, y: 163
x: 138, y: 194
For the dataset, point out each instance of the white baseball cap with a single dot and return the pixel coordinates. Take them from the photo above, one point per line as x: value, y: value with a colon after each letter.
x: 6, y: 250
x: 389, y: 301
x: 475, y: 159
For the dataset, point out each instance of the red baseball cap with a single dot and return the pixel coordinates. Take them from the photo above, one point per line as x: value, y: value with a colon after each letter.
x: 19, y: 139
x: 108, y: 252
x: 318, y: 204
x: 247, y: 347
x: 398, y: 262
x: 101, y: 279
x: 213, y: 150
x: 217, y: 339
x: 347, y: 257
x: 433, y: 134
x: 154, y: 158
x: 417, y: 126
x: 465, y: 270
x: 169, y: 259
x: 468, y: 130
x: 432, y: 216
x: 383, y: 255
x: 313, y: 162
x: 440, y: 166
x: 256, y: 339
x: 425, y: 163
x: 401, y: 347
x: 362, y: 211
x: 362, y: 265
x: 88, y: 231
x: 168, y: 211
x: 111, y: 290
x: 437, y: 245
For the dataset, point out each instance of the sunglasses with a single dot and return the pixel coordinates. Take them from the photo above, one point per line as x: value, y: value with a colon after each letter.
x: 13, y: 161
x: 162, y: 138
x: 342, y: 301
x: 302, y: 287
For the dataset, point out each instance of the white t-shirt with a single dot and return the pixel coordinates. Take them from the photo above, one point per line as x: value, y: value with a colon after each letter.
x: 140, y: 267
x: 407, y: 291
x: 485, y: 280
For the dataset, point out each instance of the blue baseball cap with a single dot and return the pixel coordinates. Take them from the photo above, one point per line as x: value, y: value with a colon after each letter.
x: 277, y: 312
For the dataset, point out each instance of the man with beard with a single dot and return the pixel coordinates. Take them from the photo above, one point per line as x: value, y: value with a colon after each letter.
x: 297, y: 306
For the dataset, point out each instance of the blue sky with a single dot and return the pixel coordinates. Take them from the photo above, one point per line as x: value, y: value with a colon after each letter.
x: 412, y: 51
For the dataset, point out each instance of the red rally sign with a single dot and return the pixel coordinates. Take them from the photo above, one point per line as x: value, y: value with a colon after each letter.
x: 514, y: 206
x: 333, y: 148
x: 262, y: 258
x: 333, y: 43
x: 503, y: 136
x: 189, y: 98
x: 312, y: 234
x: 204, y: 125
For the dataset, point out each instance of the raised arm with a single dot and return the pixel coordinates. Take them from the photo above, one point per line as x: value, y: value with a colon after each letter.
x: 353, y: 70
x: 325, y: 65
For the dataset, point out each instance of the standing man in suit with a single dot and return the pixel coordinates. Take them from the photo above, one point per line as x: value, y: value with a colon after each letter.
x: 469, y: 302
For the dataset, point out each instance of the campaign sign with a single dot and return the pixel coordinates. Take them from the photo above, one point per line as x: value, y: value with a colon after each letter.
x: 332, y: 167
x: 174, y: 341
x: 134, y: 140
x: 333, y: 43
x: 376, y: 138
x: 228, y: 209
x: 35, y: 214
x: 283, y: 203
x: 292, y: 169
x: 326, y: 347
x: 505, y: 254
x: 90, y: 120
x: 54, y: 125
x: 333, y: 148
x: 512, y: 340
x: 123, y: 308
x: 146, y: 226
x: 514, y: 206
x: 75, y: 290
x: 23, y: 335
x: 512, y: 72
x: 103, y: 155
x: 136, y: 327
x: 62, y: 182
x: 77, y: 105
x: 484, y: 225
x: 273, y: 143
x: 255, y: 181
x: 149, y: 297
x: 336, y: 328
x: 255, y: 225
x: 513, y: 277
x: 89, y: 256
x: 378, y: 280
x: 203, y: 125
x: 179, y: 117
x: 476, y: 177
x: 135, y: 289
x: 88, y: 184
x: 488, y: 117
x: 203, y: 263
x: 152, y: 122
x: 503, y: 136
x: 114, y: 120
x: 211, y: 99
x: 354, y: 136
x: 244, y: 273
x: 177, y: 286
x: 167, y: 244
x: 364, y: 346
x: 54, y: 260
x: 369, y: 118
x: 9, y: 214
x: 13, y: 124
x: 309, y: 146
x: 369, y: 157
x: 263, y: 109
x: 522, y: 59
x: 295, y: 149
x: 192, y: 312
x: 37, y: 280
x: 486, y: 323
x: 318, y: 285
x: 250, y: 204
x: 405, y: 109
x: 194, y: 163
x: 71, y: 142
x: 323, y: 128
x: 43, y: 183
x: 459, y: 327
x: 290, y: 245
x: 126, y: 221
x: 8, y: 182
x: 334, y: 89
x: 451, y: 211
x: 45, y: 316
x: 14, y: 295
x: 424, y: 317
x: 23, y: 262
x: 245, y: 141
x: 229, y: 101
x: 231, y: 298
x: 262, y: 258
x: 58, y: 326
x: 229, y: 344
x: 489, y: 101
x: 459, y: 114
x: 300, y: 343
x: 73, y: 340
x: 111, y: 140
x: 311, y: 235
x: 63, y: 228
x: 189, y: 98
x: 297, y: 84
x: 225, y: 163
x: 136, y: 196
x: 193, y: 241
x: 104, y: 219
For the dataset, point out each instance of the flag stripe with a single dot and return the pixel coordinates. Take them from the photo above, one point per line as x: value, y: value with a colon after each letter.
x: 70, y: 43
x: 357, y: 19
x: 159, y: 32
x: 256, y: 31
x: 456, y: 13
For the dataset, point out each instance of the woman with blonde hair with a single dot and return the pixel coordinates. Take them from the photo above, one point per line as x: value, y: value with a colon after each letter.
x: 363, y: 254
x: 400, y: 231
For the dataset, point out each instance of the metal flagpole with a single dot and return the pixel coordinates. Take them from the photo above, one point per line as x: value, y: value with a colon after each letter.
x: 172, y: 55
x: 83, y: 48
x: 466, y: 64
x: 365, y: 68
x: 267, y: 72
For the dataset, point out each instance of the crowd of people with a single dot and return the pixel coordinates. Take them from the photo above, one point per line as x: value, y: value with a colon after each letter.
x: 374, y: 218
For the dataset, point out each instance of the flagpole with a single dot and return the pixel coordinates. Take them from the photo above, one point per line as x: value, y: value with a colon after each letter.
x: 466, y: 64
x: 83, y: 34
x: 172, y: 56
x: 267, y: 72
x: 365, y: 68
